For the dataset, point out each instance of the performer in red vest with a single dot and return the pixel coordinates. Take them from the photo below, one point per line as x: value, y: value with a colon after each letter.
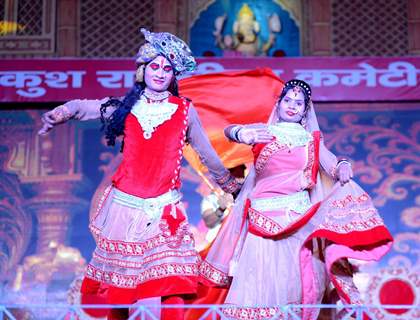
x: 144, y: 247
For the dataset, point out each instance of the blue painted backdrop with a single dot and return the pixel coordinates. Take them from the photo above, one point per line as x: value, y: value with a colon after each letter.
x: 201, y: 33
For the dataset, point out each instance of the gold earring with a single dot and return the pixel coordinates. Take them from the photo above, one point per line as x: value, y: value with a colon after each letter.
x: 303, y: 121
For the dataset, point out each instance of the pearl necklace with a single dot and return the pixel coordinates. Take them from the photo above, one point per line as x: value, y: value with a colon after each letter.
x: 155, y: 96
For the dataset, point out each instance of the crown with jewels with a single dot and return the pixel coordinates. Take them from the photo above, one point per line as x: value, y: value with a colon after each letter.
x: 168, y: 45
x: 301, y: 84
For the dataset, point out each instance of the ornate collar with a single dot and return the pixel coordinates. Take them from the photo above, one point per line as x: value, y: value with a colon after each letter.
x: 152, y: 114
x: 290, y: 133
x: 155, y: 96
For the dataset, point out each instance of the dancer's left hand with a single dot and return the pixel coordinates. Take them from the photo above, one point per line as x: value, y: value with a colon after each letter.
x: 344, y: 173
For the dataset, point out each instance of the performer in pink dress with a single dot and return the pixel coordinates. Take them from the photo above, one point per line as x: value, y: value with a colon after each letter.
x: 145, y: 249
x: 289, y: 238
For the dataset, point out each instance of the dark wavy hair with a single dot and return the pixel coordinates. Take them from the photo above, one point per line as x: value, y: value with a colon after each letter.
x: 114, y: 124
x: 306, y: 89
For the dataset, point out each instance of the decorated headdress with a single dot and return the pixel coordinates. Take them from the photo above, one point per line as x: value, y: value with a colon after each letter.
x: 298, y: 83
x: 168, y: 45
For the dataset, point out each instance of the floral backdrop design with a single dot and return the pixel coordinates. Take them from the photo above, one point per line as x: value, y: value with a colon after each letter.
x: 49, y: 186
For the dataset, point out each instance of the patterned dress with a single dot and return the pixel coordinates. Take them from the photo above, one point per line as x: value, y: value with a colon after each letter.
x: 292, y: 245
x: 144, y: 245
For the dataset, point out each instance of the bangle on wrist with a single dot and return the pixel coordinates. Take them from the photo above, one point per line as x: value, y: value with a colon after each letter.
x: 220, y: 212
x: 232, y: 133
x: 334, y: 171
x: 337, y: 166
x: 339, y: 162
x: 235, y: 133
x: 62, y: 113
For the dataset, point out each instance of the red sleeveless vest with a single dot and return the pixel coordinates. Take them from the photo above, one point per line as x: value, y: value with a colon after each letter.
x: 150, y: 167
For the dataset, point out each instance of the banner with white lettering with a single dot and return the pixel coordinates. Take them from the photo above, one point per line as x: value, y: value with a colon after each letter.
x: 331, y: 78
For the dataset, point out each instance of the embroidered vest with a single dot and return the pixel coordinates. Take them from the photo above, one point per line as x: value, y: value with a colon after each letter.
x: 151, y: 165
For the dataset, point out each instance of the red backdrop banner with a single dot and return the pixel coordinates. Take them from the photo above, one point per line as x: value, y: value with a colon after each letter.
x: 332, y: 78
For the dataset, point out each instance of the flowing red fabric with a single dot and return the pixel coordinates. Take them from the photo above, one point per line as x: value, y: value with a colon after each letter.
x: 221, y: 99
x: 235, y: 97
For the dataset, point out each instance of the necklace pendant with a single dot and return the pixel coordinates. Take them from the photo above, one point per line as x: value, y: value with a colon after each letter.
x: 151, y: 116
x: 155, y: 97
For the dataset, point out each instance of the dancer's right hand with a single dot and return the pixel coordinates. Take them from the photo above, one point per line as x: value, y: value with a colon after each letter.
x: 255, y: 135
x: 54, y: 117
x: 224, y: 201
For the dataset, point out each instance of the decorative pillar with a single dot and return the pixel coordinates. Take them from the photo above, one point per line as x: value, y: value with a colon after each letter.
x: 165, y: 19
x: 54, y: 206
x: 50, y: 174
x: 316, y: 28
x: 68, y: 28
x: 172, y: 16
x: 15, y: 222
x: 413, y: 27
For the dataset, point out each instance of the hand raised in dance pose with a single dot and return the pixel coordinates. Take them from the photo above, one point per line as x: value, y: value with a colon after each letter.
x: 144, y: 247
x: 288, y: 236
